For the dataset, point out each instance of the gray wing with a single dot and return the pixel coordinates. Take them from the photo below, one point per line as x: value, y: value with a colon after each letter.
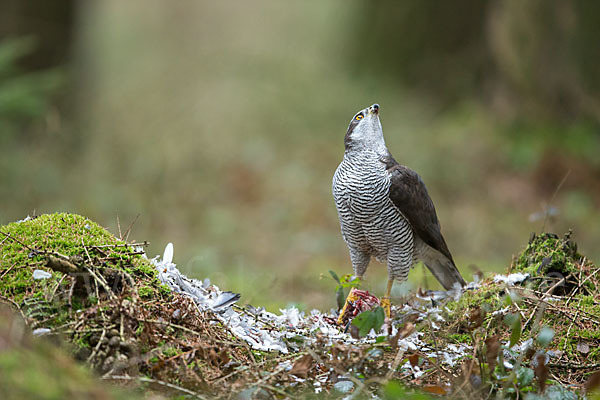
x: 409, y: 194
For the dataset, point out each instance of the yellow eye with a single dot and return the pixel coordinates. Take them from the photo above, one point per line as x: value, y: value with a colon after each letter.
x: 359, y: 117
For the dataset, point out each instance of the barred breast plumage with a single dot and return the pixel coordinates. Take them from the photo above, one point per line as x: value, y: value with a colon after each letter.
x: 370, y: 223
x: 384, y: 208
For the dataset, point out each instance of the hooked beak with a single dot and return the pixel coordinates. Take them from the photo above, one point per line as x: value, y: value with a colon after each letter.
x: 374, y: 109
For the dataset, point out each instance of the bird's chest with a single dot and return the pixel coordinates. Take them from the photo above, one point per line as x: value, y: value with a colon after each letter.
x: 362, y: 188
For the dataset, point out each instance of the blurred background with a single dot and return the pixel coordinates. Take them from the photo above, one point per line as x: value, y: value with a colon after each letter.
x: 218, y: 126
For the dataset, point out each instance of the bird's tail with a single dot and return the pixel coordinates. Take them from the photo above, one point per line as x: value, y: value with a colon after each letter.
x: 445, y: 271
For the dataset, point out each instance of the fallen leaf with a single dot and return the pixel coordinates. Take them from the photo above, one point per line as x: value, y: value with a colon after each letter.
x: 593, y: 383
x: 434, y: 389
x: 541, y: 371
x: 414, y: 360
x: 213, y: 357
x: 492, y: 345
x: 583, y: 347
x: 302, y: 366
x: 476, y: 318
x: 406, y: 331
x: 223, y: 357
x: 354, y: 331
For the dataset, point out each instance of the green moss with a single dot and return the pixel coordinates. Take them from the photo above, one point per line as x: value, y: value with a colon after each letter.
x: 165, y: 290
x: 146, y: 291
x: 23, y: 244
x: 170, y: 352
x: 62, y: 233
x: 487, y: 296
x: 148, y: 269
x: 590, y: 302
x: 459, y: 338
x: 547, y: 253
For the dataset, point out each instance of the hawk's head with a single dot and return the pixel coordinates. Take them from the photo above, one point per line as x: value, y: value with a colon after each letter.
x: 364, y: 131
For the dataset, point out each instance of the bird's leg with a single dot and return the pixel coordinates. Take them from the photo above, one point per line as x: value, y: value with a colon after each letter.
x: 351, y: 298
x: 385, y: 300
x: 360, y: 261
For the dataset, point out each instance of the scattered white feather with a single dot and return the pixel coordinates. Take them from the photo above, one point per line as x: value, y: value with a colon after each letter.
x: 168, y: 254
x: 511, y: 279
x: 266, y: 331
x: 40, y: 274
x: 525, y: 345
x: 501, y: 311
x: 41, y: 331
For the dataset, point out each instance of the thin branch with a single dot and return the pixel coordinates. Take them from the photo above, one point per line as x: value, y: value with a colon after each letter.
x: 144, y: 244
x: 540, y: 303
x: 97, y: 346
x: 131, y: 226
x: 119, y: 227
x: 14, y: 239
x: 546, y: 211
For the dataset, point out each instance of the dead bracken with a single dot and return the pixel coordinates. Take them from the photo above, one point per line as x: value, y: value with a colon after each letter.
x: 128, y: 319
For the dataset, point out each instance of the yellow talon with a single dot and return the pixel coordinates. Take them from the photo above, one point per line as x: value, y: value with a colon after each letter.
x: 385, y: 300
x: 387, y: 306
x: 351, y: 297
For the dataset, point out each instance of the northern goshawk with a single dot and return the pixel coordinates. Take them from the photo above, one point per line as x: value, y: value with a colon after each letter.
x: 385, y: 210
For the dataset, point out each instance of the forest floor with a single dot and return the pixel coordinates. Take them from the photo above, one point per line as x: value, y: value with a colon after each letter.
x: 83, y: 307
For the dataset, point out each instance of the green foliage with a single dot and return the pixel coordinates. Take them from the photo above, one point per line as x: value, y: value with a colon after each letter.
x: 343, y: 287
x: 525, y: 377
x: 555, y: 392
x: 545, y: 336
x: 170, y: 351
x: 460, y: 338
x: 394, y: 390
x: 514, y: 323
x: 367, y: 320
x: 145, y: 291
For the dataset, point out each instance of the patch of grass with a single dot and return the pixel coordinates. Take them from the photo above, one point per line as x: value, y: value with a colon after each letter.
x: 146, y: 291
x: 460, y: 338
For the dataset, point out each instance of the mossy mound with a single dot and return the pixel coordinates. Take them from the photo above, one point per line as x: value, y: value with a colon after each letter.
x: 547, y: 253
x: 560, y: 296
x: 25, y: 246
x: 550, y: 259
x: 102, y: 296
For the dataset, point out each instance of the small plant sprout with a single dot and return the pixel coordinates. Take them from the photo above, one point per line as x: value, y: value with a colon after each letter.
x: 545, y: 336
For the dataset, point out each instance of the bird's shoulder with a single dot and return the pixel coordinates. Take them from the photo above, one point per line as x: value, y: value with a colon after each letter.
x: 406, y: 184
x: 409, y: 194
